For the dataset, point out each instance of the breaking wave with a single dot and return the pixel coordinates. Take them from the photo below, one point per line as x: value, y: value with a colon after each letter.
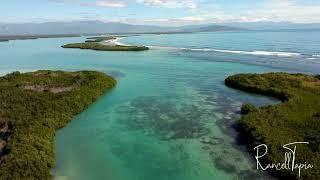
x: 255, y: 53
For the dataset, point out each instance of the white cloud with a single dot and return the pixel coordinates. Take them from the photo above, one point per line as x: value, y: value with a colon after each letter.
x: 209, y: 11
x: 108, y: 3
x: 190, y: 4
x: 191, y: 18
x: 271, y: 10
x: 285, y: 10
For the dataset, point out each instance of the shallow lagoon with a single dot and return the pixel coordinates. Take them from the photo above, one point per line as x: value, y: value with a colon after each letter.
x: 167, y: 118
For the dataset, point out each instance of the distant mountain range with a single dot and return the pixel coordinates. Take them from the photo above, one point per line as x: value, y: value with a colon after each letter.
x: 98, y: 27
x: 275, y: 25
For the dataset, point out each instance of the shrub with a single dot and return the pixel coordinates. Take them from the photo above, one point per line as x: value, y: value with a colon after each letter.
x: 34, y: 114
x: 247, y: 108
x: 294, y: 120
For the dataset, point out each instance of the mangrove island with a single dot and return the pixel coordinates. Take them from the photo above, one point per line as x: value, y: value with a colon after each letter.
x: 107, y: 43
x: 297, y: 119
x: 33, y: 107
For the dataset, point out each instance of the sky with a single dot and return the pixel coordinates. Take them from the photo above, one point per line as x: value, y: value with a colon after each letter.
x: 161, y: 12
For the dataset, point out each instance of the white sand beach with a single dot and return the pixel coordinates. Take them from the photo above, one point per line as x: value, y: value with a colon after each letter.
x: 114, y: 42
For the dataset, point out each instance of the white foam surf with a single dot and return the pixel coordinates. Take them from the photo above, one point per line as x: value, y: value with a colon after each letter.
x: 255, y: 53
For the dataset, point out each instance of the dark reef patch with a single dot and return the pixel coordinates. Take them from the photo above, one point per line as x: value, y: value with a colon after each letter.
x: 221, y: 164
x: 166, y: 119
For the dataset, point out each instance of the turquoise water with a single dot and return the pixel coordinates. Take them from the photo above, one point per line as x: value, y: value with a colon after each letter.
x: 169, y: 116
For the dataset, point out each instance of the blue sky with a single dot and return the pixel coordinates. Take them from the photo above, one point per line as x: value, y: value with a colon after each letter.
x: 161, y: 12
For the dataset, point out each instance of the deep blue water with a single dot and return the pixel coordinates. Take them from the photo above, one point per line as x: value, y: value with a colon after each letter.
x: 169, y: 102
x: 292, y: 50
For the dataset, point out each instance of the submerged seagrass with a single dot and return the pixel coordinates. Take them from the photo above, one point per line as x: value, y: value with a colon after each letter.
x: 33, y: 106
x: 297, y: 119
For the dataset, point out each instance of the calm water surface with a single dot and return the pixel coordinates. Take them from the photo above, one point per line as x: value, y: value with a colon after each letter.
x: 167, y: 118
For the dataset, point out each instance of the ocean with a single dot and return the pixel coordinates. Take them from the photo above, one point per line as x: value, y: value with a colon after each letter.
x: 170, y: 115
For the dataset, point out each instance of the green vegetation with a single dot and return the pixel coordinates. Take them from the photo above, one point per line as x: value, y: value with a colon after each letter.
x: 99, y: 39
x: 102, y: 47
x: 297, y: 119
x: 102, y: 38
x: 247, y: 108
x: 94, y: 43
x: 25, y: 37
x: 32, y: 107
